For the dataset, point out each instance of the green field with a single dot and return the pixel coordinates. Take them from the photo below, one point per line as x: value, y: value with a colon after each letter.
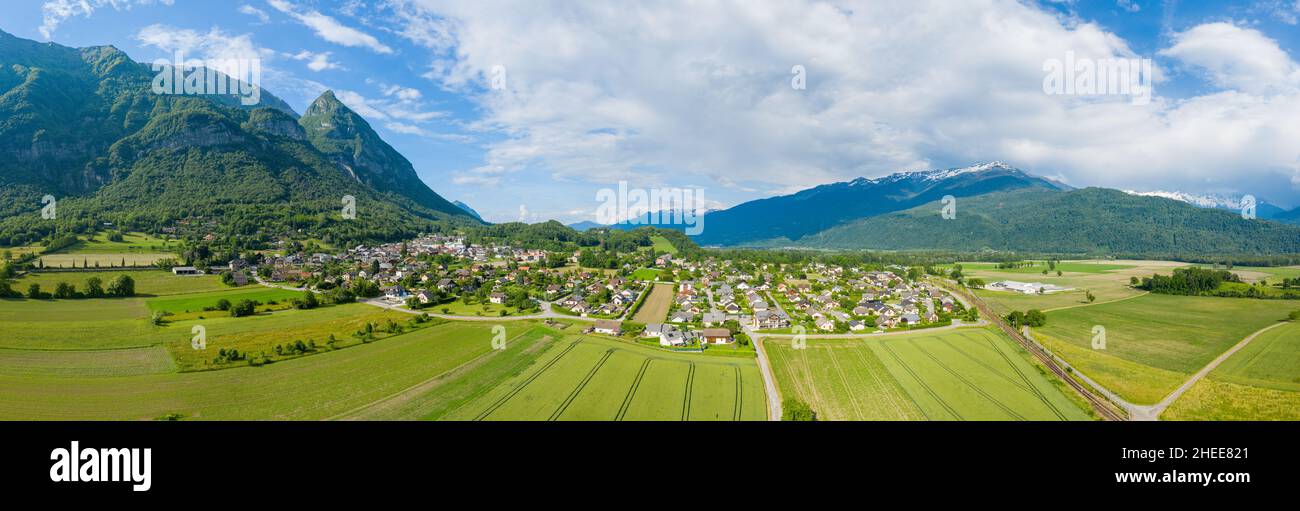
x: 648, y: 274
x: 655, y: 307
x: 134, y: 250
x: 308, y: 388
x: 1155, y: 342
x: 970, y: 374
x: 595, y: 378
x: 662, y: 245
x: 1259, y: 382
x: 1037, y: 267
x: 147, y: 282
x: 195, y: 302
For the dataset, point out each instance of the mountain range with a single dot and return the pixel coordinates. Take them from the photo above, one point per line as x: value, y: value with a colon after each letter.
x: 998, y: 207
x: 82, y: 125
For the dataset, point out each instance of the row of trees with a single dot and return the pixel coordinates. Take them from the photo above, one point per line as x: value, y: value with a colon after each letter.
x: 122, y: 286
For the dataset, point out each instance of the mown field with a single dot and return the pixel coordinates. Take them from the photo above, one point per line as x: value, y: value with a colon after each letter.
x: 1155, y: 342
x: 1259, y: 382
x: 655, y: 307
x: 147, y: 282
x: 595, y: 378
x: 133, y: 250
x: 968, y: 374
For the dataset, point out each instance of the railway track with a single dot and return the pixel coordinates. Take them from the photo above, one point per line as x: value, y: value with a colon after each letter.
x: 1104, y: 408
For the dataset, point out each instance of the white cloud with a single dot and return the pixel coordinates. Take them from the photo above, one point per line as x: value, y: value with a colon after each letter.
x: 55, y: 12
x: 1128, y: 5
x: 1236, y: 58
x: 678, y: 90
x: 316, y: 61
x: 330, y: 29
x: 215, y: 44
x: 402, y: 93
x: 255, y: 12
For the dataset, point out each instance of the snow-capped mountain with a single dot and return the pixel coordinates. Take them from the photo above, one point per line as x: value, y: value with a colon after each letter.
x: 1263, y: 209
x: 821, y: 207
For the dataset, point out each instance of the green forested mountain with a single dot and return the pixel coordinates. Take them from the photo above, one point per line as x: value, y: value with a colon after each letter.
x: 1089, y: 220
x: 82, y: 125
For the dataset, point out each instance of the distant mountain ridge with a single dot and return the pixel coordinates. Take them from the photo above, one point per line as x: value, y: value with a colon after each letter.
x: 822, y: 207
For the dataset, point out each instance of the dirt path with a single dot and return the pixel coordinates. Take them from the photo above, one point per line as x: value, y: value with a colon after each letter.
x: 1150, y: 413
x: 769, y: 380
x: 1144, y: 293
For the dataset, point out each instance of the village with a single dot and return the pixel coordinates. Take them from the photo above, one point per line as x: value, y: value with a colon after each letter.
x: 657, y: 298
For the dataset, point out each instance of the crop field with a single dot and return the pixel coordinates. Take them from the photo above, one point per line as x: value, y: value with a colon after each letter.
x: 647, y: 274
x: 1155, y: 342
x: 91, y: 363
x: 321, y: 386
x: 655, y: 307
x: 970, y: 374
x: 147, y: 282
x: 594, y: 378
x: 1259, y: 382
x: 1108, y: 281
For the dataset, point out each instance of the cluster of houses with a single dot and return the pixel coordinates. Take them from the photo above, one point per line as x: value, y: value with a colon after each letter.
x: 622, y: 294
x: 850, y: 297
x: 675, y: 336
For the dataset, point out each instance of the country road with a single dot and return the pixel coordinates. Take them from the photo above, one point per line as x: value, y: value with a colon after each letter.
x: 1151, y: 413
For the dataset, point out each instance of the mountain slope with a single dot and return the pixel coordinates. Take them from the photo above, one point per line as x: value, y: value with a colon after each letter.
x: 82, y: 125
x: 1263, y: 209
x: 1089, y: 220
x: 349, y: 141
x: 816, y: 209
x: 468, y: 209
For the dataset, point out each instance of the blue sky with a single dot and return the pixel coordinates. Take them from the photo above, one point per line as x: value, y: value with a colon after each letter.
x: 660, y: 94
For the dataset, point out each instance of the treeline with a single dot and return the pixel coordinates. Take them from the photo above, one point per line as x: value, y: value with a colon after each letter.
x: 121, y: 287
x: 1188, y: 281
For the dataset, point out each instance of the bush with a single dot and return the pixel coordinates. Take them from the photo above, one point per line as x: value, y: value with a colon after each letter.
x: 244, y: 307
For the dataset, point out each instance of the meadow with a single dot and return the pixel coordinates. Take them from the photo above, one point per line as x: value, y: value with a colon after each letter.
x: 966, y: 374
x: 655, y: 307
x: 1259, y: 382
x: 1106, y: 280
x: 1154, y: 342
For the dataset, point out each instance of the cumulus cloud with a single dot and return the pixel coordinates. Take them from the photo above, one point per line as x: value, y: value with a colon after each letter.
x: 55, y: 12
x: 215, y: 44
x: 673, y: 90
x: 330, y: 29
x: 1235, y: 57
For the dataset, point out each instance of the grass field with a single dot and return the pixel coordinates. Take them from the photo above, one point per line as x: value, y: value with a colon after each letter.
x: 308, y: 388
x: 655, y: 307
x: 1155, y: 342
x: 147, y: 282
x: 662, y: 245
x: 647, y: 274
x: 594, y: 378
x: 1260, y: 382
x: 969, y: 374
x: 195, y: 302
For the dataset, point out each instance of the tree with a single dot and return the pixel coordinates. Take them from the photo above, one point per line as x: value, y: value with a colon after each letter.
x: 34, y: 291
x: 123, y: 285
x: 1035, y: 318
x: 1089, y: 296
x: 796, y: 410
x: 242, y: 308
x: 94, y: 287
x: 223, y: 304
x: 64, y: 290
